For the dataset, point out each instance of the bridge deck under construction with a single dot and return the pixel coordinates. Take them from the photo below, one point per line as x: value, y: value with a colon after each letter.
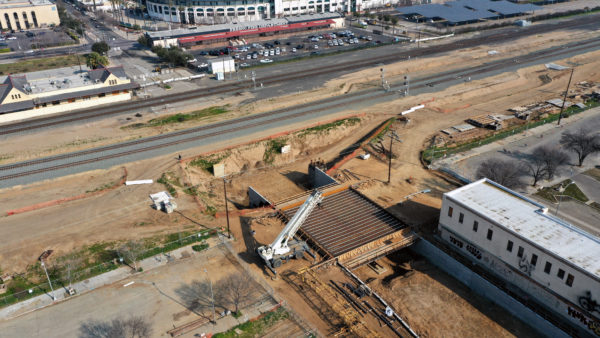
x: 348, y: 224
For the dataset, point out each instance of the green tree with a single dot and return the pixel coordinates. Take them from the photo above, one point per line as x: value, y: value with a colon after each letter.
x: 394, y: 23
x: 93, y: 60
x: 100, y: 47
x: 143, y: 40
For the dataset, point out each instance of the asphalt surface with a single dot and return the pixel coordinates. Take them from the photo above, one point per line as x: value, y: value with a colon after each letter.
x: 239, y: 129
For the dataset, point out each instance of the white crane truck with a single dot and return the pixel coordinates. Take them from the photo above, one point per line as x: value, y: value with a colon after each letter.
x: 285, y: 247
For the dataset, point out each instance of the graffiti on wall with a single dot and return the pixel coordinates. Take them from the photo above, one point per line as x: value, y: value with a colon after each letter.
x: 525, y: 266
x: 474, y: 251
x: 588, y: 303
x: 593, y: 325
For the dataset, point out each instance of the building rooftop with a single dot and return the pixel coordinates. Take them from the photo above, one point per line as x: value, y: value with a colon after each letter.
x: 531, y: 221
x: 231, y: 27
x: 23, y: 3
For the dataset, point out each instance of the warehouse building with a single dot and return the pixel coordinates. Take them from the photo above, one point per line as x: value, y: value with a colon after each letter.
x: 18, y: 15
x: 536, y: 255
x: 244, y: 30
x: 61, y: 90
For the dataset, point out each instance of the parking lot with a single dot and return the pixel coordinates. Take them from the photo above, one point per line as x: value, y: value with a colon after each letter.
x: 40, y: 38
x: 286, y: 48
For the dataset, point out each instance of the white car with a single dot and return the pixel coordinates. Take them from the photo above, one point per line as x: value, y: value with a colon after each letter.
x: 266, y: 61
x: 12, y: 38
x: 316, y: 47
x: 294, y: 50
x: 272, y: 52
x: 248, y: 56
x: 244, y: 65
x: 192, y: 60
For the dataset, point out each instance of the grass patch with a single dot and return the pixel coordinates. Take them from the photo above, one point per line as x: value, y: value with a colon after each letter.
x: 593, y: 173
x: 553, y: 195
x: 100, y: 188
x: 272, y: 148
x: 207, y: 162
x: 323, y: 128
x: 168, y: 181
x: 257, y: 327
x: 199, y: 247
x: 181, y: 117
x: 4, y: 50
x: 25, y: 66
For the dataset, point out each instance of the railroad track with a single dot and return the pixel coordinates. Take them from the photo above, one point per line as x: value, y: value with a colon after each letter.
x: 502, y: 35
x: 264, y: 119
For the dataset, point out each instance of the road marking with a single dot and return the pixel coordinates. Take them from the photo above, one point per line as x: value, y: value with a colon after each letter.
x: 126, y: 285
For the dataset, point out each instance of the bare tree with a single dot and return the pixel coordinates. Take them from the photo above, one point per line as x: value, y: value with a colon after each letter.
x: 553, y: 157
x: 197, y: 297
x: 506, y: 173
x: 133, y: 327
x: 536, y: 168
x: 71, y: 263
x: 236, y: 290
x: 132, y: 251
x: 582, y: 142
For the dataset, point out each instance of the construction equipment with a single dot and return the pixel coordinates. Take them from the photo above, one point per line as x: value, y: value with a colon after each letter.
x: 284, y: 247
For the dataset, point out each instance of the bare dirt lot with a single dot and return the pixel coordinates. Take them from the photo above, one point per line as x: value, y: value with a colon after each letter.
x: 433, y: 303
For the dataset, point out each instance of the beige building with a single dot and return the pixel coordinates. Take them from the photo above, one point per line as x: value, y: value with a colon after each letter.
x: 63, y: 90
x: 19, y: 14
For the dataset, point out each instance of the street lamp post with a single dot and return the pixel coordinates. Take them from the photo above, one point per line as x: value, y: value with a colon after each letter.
x: 49, y: 281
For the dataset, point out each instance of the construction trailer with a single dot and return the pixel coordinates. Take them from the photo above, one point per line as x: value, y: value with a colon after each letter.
x: 163, y: 201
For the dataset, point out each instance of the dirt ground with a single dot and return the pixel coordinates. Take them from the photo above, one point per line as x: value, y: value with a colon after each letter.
x: 435, y: 304
x: 125, y: 212
x: 67, y: 139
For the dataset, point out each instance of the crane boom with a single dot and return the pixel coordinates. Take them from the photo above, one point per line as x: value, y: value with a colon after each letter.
x: 279, y: 245
x: 279, y: 251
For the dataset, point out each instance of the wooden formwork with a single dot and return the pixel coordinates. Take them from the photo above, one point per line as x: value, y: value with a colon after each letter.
x: 378, y: 248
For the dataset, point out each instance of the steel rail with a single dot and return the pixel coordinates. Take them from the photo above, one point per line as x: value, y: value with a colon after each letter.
x: 353, y: 65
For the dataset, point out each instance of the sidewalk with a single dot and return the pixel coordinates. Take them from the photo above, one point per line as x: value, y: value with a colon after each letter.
x: 111, y: 277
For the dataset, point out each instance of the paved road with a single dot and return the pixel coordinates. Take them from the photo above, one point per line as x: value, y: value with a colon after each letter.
x: 241, y: 129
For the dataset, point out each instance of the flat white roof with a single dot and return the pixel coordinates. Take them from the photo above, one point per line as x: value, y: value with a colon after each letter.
x: 531, y: 221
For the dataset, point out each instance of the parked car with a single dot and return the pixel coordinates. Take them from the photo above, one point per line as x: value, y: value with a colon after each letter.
x: 248, y: 56
x: 316, y: 47
x: 12, y: 38
x: 276, y: 42
x: 294, y: 50
x: 255, y: 55
x: 266, y: 61
x: 244, y: 65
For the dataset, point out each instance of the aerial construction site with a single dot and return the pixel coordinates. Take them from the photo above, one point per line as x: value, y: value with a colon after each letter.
x: 312, y: 195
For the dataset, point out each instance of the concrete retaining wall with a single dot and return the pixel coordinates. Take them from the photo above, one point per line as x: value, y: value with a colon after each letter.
x: 484, y: 288
x: 256, y: 199
x: 319, y: 178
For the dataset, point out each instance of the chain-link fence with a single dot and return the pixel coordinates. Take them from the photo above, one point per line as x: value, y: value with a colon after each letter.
x: 57, y: 283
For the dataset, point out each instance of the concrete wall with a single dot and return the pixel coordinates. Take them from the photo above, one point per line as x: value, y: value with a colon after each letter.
x: 319, y: 178
x: 64, y: 107
x: 484, y: 288
x: 256, y: 199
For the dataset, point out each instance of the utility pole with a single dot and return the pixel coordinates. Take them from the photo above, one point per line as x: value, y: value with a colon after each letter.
x: 226, y: 209
x: 392, y: 135
x: 565, y: 97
